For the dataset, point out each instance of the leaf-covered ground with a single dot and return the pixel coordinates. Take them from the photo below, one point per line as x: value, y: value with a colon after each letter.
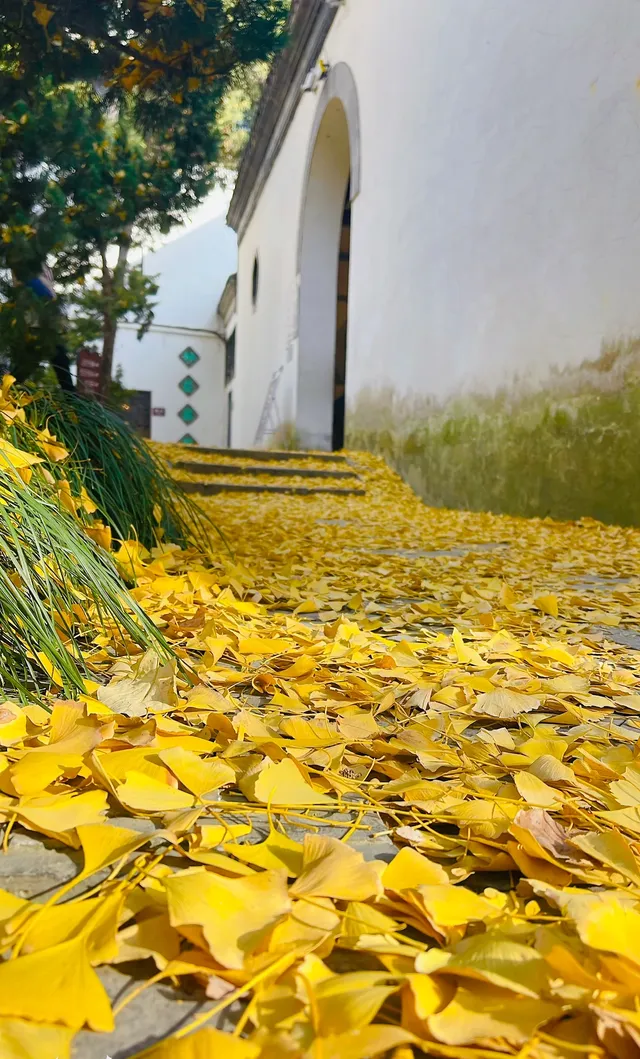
x: 387, y: 801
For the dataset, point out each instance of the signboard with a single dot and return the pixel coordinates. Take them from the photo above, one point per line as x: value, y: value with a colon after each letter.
x: 158, y: 411
x: 89, y: 371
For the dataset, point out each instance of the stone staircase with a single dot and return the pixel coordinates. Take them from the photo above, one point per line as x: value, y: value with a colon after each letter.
x: 210, y: 471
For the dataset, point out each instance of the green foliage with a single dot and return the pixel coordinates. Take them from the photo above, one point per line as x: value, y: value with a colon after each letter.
x: 237, y: 112
x: 159, y: 46
x: 110, y: 131
x: 569, y: 450
x: 49, y: 573
x: 131, y: 486
x: 90, y: 305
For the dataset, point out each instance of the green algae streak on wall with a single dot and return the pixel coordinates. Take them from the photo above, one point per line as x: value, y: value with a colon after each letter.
x: 568, y: 448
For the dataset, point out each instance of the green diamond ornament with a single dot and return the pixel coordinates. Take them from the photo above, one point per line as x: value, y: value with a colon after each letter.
x: 189, y: 357
x: 189, y: 385
x: 188, y: 414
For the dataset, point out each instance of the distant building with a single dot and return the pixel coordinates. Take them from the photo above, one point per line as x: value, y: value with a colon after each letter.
x: 437, y: 195
x: 178, y: 368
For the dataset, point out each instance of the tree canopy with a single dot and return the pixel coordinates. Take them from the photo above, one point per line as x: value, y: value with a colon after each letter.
x: 110, y: 117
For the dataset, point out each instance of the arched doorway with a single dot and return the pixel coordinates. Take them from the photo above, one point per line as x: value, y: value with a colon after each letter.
x: 324, y: 263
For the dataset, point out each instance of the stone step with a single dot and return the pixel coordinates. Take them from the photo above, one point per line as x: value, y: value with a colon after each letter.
x: 277, y: 472
x: 267, y: 455
x: 212, y: 488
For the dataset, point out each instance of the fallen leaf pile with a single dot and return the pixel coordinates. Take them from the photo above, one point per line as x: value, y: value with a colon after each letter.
x: 385, y: 800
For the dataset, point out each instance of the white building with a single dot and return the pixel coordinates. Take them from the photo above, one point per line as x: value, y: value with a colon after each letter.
x: 178, y: 368
x: 455, y: 200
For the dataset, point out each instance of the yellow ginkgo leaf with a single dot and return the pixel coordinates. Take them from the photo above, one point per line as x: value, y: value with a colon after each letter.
x: 20, y: 1039
x: 612, y: 849
x: 283, y: 784
x: 13, y: 459
x: 505, y: 704
x: 145, y: 794
x: 347, y: 1002
x: 451, y: 906
x: 151, y: 936
x: 235, y: 914
x: 484, y: 1014
x: 55, y: 985
x: 367, y: 1043
x: 59, y: 814
x: 198, y: 776
x: 500, y: 961
x: 332, y: 869
x: 609, y: 925
x: 104, y: 844
x: 13, y: 724
x: 33, y: 773
x: 535, y: 791
x: 255, y: 645
x: 94, y: 919
x: 409, y: 869
x: 278, y: 852
x: 42, y: 13
x: 547, y: 604
x: 205, y: 1044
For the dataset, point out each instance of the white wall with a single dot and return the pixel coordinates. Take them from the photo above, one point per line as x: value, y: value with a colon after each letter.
x: 191, y: 267
x: 154, y: 364
x: 497, y: 230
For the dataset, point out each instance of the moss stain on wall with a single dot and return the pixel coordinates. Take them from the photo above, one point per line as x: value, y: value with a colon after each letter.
x: 569, y: 448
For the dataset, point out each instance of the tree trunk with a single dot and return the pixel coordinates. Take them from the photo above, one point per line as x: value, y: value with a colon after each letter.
x: 112, y: 281
x: 62, y: 367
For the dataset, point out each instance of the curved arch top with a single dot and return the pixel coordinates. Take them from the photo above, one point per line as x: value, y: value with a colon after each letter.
x: 339, y: 84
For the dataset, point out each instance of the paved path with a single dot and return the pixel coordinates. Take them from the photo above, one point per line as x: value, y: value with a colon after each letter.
x: 360, y: 634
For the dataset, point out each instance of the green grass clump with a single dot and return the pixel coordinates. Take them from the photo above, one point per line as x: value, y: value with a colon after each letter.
x: 130, y: 485
x: 57, y: 592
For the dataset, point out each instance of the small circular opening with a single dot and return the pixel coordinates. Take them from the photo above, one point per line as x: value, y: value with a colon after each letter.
x: 255, y: 281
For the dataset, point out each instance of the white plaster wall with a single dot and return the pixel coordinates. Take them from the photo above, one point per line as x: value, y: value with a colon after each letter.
x: 154, y: 364
x: 191, y: 267
x: 497, y: 230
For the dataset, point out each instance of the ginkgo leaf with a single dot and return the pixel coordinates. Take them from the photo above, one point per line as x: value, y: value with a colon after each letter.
x: 150, y: 936
x: 609, y: 925
x: 33, y: 773
x: 20, y: 1039
x: 452, y: 906
x: 278, y: 852
x: 409, y: 869
x: 505, y: 704
x: 198, y: 776
x: 254, y: 645
x: 366, y: 1043
x: 235, y: 914
x: 535, y: 791
x: 332, y: 869
x: 611, y: 849
x: 147, y: 795
x: 347, y: 1002
x: 283, y: 784
x: 58, y: 814
x: 205, y: 1044
x: 104, y: 844
x: 55, y: 985
x: 500, y: 961
x: 95, y: 920
x: 486, y: 1013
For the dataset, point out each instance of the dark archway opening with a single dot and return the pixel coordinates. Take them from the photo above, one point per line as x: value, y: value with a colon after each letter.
x: 342, y: 320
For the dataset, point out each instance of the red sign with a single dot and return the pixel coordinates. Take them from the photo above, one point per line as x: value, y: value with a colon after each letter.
x: 158, y: 411
x: 89, y: 371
